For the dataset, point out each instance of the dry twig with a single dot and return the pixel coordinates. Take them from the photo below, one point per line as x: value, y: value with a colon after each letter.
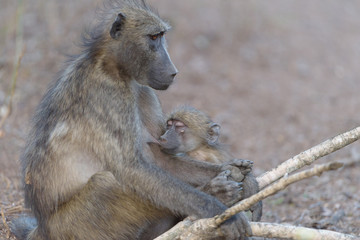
x: 16, y: 209
x: 273, y: 230
x: 5, y: 224
x: 309, y: 156
x: 265, y: 230
x: 274, y: 188
x: 7, y: 180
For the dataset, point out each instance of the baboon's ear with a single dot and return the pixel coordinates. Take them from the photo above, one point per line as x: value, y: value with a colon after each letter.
x: 117, y: 25
x: 213, y: 133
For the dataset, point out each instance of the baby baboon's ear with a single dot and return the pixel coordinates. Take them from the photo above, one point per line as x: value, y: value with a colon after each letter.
x: 213, y: 133
x: 117, y: 25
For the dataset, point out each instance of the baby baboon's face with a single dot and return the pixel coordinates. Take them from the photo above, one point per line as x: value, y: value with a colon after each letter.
x: 179, y: 138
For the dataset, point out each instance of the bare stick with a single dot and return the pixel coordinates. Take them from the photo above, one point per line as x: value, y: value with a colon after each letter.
x: 265, y: 230
x: 273, y: 230
x: 276, y: 187
x: 309, y: 156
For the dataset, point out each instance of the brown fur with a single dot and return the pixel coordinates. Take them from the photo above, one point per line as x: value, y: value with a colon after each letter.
x: 88, y: 171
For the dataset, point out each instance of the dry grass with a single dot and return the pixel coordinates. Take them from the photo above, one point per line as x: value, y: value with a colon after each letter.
x: 11, y: 205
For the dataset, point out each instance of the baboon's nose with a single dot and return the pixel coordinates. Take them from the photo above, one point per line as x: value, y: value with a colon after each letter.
x: 174, y: 74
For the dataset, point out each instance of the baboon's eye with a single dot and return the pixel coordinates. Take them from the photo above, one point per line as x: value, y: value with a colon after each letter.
x: 156, y: 36
x: 153, y: 37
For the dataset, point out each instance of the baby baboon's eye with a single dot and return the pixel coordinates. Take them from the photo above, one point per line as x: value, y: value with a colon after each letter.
x: 169, y: 124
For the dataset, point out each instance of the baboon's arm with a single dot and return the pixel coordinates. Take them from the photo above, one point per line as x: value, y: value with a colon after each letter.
x: 186, y: 169
x: 158, y: 186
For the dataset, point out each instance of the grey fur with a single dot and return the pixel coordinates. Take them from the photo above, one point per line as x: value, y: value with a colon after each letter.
x: 88, y: 171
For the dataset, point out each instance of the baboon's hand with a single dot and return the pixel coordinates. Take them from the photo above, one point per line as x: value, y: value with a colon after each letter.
x: 239, y: 168
x: 227, y: 191
x: 242, y: 163
x: 236, y: 227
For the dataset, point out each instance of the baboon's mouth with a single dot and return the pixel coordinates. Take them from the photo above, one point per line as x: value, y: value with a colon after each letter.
x: 160, y: 85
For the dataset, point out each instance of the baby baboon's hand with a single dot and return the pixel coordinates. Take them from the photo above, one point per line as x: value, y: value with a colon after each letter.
x: 239, y: 168
x: 227, y: 191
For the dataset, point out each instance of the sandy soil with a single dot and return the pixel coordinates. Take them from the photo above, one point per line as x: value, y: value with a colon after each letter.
x: 279, y: 76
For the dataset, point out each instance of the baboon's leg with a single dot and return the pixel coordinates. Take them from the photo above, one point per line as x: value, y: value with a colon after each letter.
x: 101, y: 210
x: 158, y: 227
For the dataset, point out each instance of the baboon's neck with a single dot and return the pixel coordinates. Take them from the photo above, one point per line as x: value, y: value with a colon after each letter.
x: 102, y: 92
x: 106, y: 63
x: 100, y: 55
x: 209, y: 154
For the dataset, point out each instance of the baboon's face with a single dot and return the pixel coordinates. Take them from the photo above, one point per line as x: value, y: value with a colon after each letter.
x: 141, y: 50
x: 171, y: 140
x: 179, y: 138
x: 161, y: 69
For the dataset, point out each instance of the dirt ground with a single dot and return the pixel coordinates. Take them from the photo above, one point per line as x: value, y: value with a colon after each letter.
x: 279, y: 76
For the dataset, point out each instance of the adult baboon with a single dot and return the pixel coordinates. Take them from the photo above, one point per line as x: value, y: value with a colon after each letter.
x: 87, y: 168
x: 191, y: 132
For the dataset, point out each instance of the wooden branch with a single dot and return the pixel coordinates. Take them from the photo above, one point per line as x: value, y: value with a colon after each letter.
x: 309, y: 156
x: 203, y: 228
x: 273, y: 230
x: 274, y: 188
x: 265, y: 230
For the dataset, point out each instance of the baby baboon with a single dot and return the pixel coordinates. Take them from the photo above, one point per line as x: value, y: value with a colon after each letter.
x: 87, y: 168
x: 191, y: 132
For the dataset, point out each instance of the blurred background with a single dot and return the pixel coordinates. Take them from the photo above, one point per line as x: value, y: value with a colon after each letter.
x: 279, y: 76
